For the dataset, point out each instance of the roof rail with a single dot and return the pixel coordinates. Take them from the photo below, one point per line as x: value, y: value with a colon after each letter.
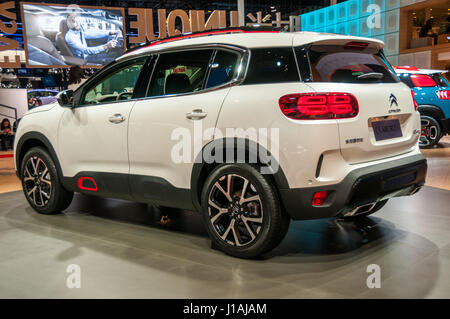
x: 206, y: 33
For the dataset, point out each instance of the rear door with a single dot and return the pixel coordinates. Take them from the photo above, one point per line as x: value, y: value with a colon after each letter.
x: 169, y: 128
x: 386, y: 119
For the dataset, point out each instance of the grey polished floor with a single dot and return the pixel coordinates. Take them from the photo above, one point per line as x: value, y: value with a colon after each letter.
x: 123, y: 253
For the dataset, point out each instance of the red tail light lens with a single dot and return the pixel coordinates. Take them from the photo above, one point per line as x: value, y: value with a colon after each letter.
x: 319, y: 106
x: 443, y: 94
x: 416, y: 105
x: 319, y: 198
x: 422, y: 80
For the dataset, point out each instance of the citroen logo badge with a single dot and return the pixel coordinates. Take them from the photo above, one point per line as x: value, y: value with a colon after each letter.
x: 392, y: 100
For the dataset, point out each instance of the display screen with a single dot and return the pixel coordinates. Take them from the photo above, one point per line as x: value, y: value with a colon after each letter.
x: 65, y: 35
x: 23, y: 72
x: 49, y: 81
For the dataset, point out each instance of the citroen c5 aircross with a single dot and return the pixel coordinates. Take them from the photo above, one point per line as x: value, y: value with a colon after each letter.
x: 329, y: 131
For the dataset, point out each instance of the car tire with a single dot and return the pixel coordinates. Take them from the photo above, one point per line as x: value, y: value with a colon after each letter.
x: 242, y: 211
x: 376, y: 208
x: 41, y: 183
x: 432, y: 129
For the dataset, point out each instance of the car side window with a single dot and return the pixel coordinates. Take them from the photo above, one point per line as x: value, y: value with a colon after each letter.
x: 223, y: 68
x: 180, y: 72
x: 439, y: 80
x: 272, y: 65
x: 115, y: 86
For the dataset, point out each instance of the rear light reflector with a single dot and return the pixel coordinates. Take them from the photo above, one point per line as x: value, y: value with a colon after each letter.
x: 443, y: 94
x: 422, y: 80
x: 319, y: 198
x: 87, y: 184
x: 416, y: 105
x: 319, y: 106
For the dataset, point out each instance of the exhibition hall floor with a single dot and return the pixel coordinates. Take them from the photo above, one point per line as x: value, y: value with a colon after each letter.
x: 124, y: 253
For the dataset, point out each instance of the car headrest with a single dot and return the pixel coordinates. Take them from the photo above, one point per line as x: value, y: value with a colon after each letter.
x: 63, y: 28
x: 343, y: 75
x: 177, y: 83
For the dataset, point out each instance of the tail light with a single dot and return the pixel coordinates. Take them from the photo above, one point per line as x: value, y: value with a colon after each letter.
x: 318, y: 106
x: 422, y: 80
x: 443, y: 94
x: 416, y: 105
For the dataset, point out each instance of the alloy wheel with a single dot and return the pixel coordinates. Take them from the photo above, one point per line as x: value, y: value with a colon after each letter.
x: 235, y: 210
x: 37, y: 181
x: 429, y: 133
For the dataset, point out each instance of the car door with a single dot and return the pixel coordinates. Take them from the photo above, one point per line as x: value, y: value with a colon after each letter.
x: 93, y: 134
x: 183, y: 101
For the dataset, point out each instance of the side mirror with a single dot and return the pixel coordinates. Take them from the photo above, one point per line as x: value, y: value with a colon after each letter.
x: 65, y: 98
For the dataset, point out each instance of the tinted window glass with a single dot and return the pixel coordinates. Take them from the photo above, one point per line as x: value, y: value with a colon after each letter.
x: 333, y: 63
x: 303, y: 64
x: 272, y: 65
x: 116, y: 86
x: 405, y: 78
x: 180, y: 72
x: 439, y: 80
x: 223, y: 68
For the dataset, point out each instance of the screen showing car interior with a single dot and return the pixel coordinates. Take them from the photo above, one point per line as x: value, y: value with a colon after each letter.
x: 65, y: 35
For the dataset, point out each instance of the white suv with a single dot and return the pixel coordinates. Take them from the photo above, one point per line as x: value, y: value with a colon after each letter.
x: 336, y: 133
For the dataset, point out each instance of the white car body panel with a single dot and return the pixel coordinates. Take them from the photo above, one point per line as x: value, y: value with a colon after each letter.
x: 255, y: 40
x: 88, y: 141
x: 152, y: 124
x: 43, y: 119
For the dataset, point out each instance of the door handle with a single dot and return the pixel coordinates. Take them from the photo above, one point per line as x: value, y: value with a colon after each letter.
x: 196, y: 114
x: 116, y: 118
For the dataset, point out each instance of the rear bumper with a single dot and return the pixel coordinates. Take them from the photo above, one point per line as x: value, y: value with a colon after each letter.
x: 361, y: 187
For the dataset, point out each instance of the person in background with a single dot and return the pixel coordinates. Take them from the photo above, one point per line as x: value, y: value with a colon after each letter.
x: 76, y: 77
x: 427, y: 31
x: 34, y: 102
x: 30, y: 103
x: 445, y: 26
x: 7, y: 135
x: 76, y: 38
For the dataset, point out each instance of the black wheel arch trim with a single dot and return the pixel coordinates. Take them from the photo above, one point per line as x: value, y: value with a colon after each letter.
x: 250, y: 147
x: 20, y: 152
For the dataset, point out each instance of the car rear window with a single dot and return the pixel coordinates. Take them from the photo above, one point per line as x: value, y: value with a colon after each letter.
x: 335, y: 63
x: 272, y: 65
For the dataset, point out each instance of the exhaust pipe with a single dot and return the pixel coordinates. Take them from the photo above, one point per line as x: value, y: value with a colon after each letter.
x: 360, y: 210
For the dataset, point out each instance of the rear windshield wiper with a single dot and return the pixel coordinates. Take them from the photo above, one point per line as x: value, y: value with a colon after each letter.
x: 371, y: 75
